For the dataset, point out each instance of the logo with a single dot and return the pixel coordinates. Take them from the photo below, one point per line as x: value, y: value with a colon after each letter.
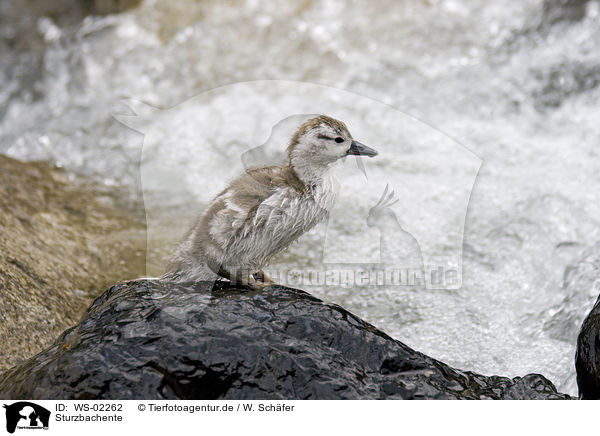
x: 26, y: 415
x: 398, y: 220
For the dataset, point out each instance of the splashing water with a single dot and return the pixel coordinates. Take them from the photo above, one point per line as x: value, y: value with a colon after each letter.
x: 515, y: 82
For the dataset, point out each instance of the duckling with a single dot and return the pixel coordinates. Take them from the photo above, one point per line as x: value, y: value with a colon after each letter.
x: 265, y: 209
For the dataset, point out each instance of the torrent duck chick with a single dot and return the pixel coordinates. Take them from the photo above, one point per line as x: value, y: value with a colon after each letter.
x: 265, y: 209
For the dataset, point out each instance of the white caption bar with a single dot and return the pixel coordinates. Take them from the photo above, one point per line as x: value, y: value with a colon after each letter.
x: 274, y: 417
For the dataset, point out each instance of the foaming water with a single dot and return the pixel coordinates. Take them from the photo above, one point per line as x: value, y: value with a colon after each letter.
x: 514, y: 82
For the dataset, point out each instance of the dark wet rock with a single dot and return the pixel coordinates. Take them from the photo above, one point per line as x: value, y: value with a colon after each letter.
x: 564, y: 10
x: 587, y: 358
x: 580, y: 289
x: 564, y: 80
x: 26, y: 29
x: 158, y: 340
x: 61, y: 246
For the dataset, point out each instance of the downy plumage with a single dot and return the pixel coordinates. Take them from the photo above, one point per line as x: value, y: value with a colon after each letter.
x: 265, y: 209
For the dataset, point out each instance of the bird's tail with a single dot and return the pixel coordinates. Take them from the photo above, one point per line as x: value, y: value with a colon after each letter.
x: 188, y: 273
x: 178, y: 276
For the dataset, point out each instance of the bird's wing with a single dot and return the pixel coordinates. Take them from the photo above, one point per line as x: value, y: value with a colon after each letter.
x: 248, y: 202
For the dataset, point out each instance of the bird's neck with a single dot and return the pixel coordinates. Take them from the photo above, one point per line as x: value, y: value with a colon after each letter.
x: 311, y: 174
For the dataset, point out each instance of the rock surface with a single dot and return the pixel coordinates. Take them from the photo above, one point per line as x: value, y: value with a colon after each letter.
x: 61, y: 246
x: 580, y: 289
x: 158, y: 340
x: 587, y: 358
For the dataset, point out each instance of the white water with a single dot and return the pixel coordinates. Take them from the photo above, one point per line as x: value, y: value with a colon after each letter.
x: 515, y: 82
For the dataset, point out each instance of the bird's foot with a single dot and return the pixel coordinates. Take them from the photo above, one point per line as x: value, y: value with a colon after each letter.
x: 263, y: 277
x: 241, y: 276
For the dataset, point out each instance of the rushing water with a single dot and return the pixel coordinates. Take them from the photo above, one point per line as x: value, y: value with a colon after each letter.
x: 514, y: 82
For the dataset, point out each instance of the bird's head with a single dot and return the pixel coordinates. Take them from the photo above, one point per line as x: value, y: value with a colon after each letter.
x: 321, y: 141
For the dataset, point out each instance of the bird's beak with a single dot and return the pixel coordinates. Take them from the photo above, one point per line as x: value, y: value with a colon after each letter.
x: 358, y: 149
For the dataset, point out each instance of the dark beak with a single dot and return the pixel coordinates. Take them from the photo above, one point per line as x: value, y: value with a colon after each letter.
x: 358, y: 149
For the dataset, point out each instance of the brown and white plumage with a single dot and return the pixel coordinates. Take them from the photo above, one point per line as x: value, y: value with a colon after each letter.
x: 265, y: 209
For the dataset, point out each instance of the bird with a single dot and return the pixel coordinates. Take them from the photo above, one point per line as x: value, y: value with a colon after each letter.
x: 265, y: 209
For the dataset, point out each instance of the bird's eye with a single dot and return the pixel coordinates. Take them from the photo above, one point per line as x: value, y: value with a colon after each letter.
x: 339, y: 139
